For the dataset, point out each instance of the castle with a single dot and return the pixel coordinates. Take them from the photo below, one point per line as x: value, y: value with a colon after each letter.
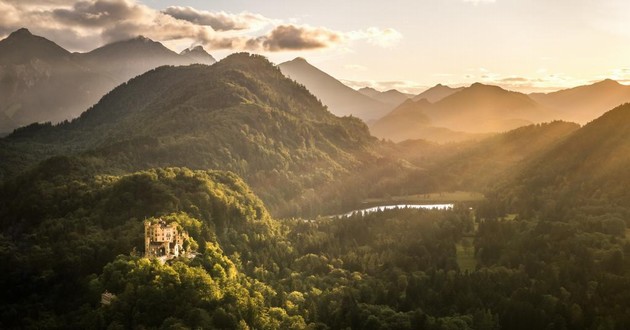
x: 162, y: 240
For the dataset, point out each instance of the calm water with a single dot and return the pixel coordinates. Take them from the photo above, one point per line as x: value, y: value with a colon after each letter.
x: 400, y: 206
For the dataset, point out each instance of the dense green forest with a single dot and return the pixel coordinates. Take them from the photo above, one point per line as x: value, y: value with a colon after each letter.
x: 250, y: 164
x: 69, y: 237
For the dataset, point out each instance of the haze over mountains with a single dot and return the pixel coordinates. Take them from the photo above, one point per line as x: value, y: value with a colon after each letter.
x: 474, y: 110
x: 40, y: 81
x: 545, y: 247
x: 240, y: 114
x: 391, y: 97
x: 340, y: 99
x: 585, y: 103
x: 437, y: 93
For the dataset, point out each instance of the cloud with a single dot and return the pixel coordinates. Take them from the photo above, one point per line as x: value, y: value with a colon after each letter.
x: 292, y: 37
x: 81, y: 25
x: 514, y: 80
x: 477, y: 2
x: 355, y: 67
x: 377, y: 36
x: 219, y: 21
x: 101, y: 13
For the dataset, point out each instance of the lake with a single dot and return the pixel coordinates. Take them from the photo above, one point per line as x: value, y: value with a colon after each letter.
x: 399, y: 206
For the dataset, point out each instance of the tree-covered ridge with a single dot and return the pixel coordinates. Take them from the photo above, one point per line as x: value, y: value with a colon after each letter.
x: 240, y: 114
x: 588, y: 171
x: 60, y: 226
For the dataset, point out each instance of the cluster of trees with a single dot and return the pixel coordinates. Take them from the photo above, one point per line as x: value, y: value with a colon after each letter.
x: 69, y: 236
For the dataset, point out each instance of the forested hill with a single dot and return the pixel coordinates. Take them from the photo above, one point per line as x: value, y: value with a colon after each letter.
x: 589, y: 168
x: 240, y: 114
x: 61, y: 225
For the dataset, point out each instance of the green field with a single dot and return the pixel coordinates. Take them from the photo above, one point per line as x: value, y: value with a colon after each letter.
x: 431, y: 198
x: 466, y: 255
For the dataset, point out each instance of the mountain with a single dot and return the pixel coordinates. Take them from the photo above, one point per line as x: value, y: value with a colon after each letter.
x: 409, y: 121
x: 476, y: 166
x: 391, y: 97
x: 22, y: 47
x: 590, y: 168
x: 478, y: 109
x: 340, y: 99
x: 484, y: 108
x: 437, y: 93
x: 585, y: 103
x: 40, y: 81
x: 240, y: 114
x: 199, y: 55
x: 122, y: 60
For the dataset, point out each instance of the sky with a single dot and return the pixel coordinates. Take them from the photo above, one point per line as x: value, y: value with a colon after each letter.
x: 410, y: 45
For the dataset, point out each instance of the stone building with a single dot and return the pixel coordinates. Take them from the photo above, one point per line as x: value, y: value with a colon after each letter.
x: 163, y: 240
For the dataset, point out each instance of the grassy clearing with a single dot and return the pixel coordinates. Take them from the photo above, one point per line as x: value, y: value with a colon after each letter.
x: 432, y: 198
x: 510, y: 217
x: 466, y: 255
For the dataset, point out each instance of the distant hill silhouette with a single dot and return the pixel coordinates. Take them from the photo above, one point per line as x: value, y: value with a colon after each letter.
x: 409, y: 121
x: 585, y: 103
x: 198, y: 55
x: 437, y: 93
x: 478, y: 109
x: 480, y: 165
x: 340, y: 99
x: 392, y: 97
x: 40, y: 81
x: 485, y: 108
x: 590, y: 167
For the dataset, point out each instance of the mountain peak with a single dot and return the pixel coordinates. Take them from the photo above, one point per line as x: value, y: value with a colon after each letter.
x: 141, y: 38
x: 195, y: 49
x: 21, y: 46
x: 299, y: 59
x: 368, y: 89
x: 198, y: 54
x: 22, y: 32
x: 608, y: 82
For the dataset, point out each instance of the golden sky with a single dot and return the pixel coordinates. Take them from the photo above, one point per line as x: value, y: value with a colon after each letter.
x: 533, y: 45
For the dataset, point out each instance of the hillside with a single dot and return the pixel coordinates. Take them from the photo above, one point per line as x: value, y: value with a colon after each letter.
x: 479, y: 166
x: 40, y: 81
x: 409, y: 121
x: 585, y: 103
x: 392, y: 97
x: 240, y: 114
x: 125, y: 59
x: 340, y: 99
x: 437, y: 93
x: 69, y: 236
x: 484, y: 108
x: 590, y: 168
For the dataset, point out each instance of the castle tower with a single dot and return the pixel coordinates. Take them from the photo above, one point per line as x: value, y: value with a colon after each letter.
x: 147, y: 238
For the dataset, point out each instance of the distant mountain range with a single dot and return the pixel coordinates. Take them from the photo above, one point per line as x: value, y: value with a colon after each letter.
x: 585, y: 103
x: 240, y: 114
x: 340, y: 99
x: 437, y: 93
x: 477, y: 109
x: 410, y: 121
x: 40, y: 81
x: 392, y: 97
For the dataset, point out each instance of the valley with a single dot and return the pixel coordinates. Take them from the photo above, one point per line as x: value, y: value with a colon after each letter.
x: 300, y: 202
